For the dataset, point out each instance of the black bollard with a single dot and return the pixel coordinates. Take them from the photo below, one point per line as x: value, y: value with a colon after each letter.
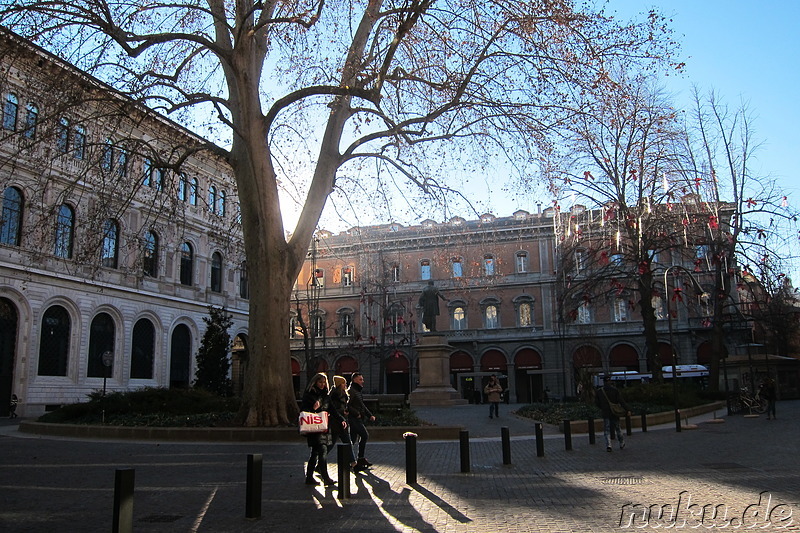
x: 464, y: 440
x: 344, y: 454
x: 123, y: 501
x: 539, y: 440
x: 411, y: 457
x: 628, y: 424
x: 644, y: 422
x: 592, y: 438
x: 678, y: 420
x: 567, y: 435
x: 506, y: 438
x: 252, y: 502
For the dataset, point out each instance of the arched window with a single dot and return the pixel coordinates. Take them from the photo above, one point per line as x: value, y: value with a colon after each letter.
x: 62, y: 135
x: 65, y: 227
x: 221, y: 208
x: 459, y: 318
x: 180, y: 357
x: 216, y: 272
x: 525, y: 314
x: 620, y: 310
x: 212, y: 198
x: 121, y: 166
x: 147, y: 172
x: 318, y: 324
x: 79, y: 143
x: 183, y: 188
x: 11, y: 229
x: 490, y: 308
x: 143, y: 346
x: 10, y: 110
x: 106, y: 156
x: 31, y: 120
x: 346, y: 327
x: 187, y: 263
x: 54, y: 342
x: 244, y: 286
x: 110, y: 252
x: 150, y: 255
x: 396, y: 321
x: 101, y: 340
x: 490, y: 314
x: 194, y: 191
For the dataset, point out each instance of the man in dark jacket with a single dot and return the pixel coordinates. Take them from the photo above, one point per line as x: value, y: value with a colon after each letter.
x: 608, y: 399
x: 357, y: 413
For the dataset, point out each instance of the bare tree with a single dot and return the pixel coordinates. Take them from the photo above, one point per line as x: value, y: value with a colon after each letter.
x: 757, y: 245
x: 615, y: 164
x: 321, y: 87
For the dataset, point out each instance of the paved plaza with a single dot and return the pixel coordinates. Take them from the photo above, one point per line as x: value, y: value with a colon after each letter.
x: 732, y: 475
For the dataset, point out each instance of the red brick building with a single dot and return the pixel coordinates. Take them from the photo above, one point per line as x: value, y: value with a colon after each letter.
x: 357, y: 300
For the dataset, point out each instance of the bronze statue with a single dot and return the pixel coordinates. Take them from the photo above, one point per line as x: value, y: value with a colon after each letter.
x: 429, y: 303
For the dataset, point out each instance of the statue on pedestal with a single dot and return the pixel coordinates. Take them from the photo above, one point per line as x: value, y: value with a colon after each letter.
x: 429, y: 302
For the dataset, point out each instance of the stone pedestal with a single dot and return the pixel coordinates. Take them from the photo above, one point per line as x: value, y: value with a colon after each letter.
x: 434, y: 374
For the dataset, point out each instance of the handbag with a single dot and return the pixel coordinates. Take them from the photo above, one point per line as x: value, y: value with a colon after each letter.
x: 313, y: 422
x: 616, y: 409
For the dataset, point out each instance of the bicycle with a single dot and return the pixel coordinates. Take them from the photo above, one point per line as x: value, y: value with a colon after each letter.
x: 752, y: 402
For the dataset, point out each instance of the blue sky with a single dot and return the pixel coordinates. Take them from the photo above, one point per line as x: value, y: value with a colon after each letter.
x: 748, y: 52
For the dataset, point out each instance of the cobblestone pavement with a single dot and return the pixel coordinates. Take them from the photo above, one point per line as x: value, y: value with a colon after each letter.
x: 744, y: 468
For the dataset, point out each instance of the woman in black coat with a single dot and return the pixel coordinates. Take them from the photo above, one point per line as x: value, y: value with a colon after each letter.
x: 316, y: 400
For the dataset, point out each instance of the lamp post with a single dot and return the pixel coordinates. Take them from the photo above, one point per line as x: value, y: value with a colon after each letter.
x: 699, y: 290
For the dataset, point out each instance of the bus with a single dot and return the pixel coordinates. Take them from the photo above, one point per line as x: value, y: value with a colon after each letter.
x: 696, y: 373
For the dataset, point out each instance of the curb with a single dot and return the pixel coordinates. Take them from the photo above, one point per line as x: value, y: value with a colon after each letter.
x: 653, y: 419
x: 287, y: 434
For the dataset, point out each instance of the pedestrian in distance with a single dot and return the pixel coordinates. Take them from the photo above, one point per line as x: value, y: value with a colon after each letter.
x: 12, y: 407
x: 316, y: 399
x: 610, y: 401
x: 358, y: 413
x: 770, y: 393
x: 338, y: 410
x: 494, y: 395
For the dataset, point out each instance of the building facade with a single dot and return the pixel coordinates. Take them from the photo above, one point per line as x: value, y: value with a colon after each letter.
x: 508, y: 309
x: 117, y: 234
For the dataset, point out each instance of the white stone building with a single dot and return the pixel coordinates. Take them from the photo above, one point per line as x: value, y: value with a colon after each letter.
x: 116, y: 234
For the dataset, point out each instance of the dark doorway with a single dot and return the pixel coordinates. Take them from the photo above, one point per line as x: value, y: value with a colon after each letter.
x: 180, y: 358
x: 8, y: 340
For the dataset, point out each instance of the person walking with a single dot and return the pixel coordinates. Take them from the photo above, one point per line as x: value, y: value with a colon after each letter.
x: 494, y: 395
x: 357, y: 414
x: 770, y: 393
x: 610, y: 401
x: 338, y: 410
x: 315, y: 399
x: 12, y: 407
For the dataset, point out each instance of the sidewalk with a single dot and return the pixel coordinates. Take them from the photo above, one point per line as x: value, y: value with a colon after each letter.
x: 65, y: 485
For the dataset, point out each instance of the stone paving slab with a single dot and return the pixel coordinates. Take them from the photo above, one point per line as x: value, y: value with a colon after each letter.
x: 744, y: 466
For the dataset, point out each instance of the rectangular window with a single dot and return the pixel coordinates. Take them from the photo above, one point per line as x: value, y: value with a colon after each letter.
x: 347, y: 277
x: 458, y: 271
x: 396, y: 273
x: 488, y: 265
x: 491, y: 317
x: 584, y: 314
x: 620, y: 310
x: 425, y: 269
x: 522, y: 262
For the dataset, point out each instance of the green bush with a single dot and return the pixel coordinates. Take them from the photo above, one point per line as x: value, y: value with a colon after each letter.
x: 641, y: 398
x: 148, y: 407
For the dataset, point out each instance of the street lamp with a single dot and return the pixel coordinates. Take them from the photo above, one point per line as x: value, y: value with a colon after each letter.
x: 699, y: 290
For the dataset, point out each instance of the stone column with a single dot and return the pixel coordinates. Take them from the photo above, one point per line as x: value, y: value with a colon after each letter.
x: 434, y: 374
